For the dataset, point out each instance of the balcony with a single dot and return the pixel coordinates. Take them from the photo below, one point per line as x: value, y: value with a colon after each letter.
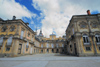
x: 87, y: 43
x: 98, y: 43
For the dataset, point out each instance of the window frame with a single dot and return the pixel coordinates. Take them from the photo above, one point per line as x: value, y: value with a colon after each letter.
x: 97, y: 38
x: 86, y: 40
x: 86, y: 48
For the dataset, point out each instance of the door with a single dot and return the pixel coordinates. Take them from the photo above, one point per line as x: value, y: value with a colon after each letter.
x: 75, y: 49
x: 19, y: 48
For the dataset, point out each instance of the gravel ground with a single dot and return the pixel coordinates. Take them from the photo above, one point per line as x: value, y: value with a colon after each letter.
x: 50, y: 60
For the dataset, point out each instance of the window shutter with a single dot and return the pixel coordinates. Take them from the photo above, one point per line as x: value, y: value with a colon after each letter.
x: 1, y: 41
x: 9, y: 41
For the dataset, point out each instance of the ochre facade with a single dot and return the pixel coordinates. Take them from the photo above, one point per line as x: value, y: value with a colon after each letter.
x: 83, y: 35
x: 16, y: 38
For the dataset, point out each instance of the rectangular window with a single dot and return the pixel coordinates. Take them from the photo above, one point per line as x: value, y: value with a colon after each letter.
x: 1, y: 41
x: 88, y: 49
x: 86, y: 40
x: 8, y: 48
x: 22, y: 33
x: 28, y: 34
x: 9, y: 41
x: 99, y: 48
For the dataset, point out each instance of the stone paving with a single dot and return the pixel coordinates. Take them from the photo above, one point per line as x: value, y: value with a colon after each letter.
x: 50, y: 60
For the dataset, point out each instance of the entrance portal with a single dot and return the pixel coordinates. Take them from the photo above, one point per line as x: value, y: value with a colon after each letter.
x: 19, y: 48
x: 75, y: 49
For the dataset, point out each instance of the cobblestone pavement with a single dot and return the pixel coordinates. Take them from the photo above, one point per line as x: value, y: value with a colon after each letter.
x: 50, y: 60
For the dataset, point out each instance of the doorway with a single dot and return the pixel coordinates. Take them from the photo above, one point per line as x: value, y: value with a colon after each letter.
x: 19, y: 48
x: 75, y: 49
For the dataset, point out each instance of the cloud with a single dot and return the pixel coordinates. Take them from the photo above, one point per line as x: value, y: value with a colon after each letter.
x: 8, y: 8
x: 57, y: 13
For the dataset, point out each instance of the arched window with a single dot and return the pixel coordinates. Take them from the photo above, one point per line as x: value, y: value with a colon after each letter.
x: 97, y: 37
x: 86, y: 39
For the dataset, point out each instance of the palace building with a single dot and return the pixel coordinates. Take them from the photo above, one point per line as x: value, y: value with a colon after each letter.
x: 16, y: 38
x: 49, y: 45
x: 83, y: 35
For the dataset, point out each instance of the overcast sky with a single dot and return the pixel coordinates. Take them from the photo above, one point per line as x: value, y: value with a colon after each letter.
x: 50, y: 15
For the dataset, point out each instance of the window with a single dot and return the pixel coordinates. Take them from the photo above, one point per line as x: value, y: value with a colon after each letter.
x: 22, y: 33
x: 12, y: 28
x: 88, y: 48
x: 32, y: 38
x: 97, y: 37
x: 28, y: 34
x: 27, y: 46
x: 9, y: 41
x: 83, y: 26
x: 73, y: 30
x: 57, y: 45
x: 1, y: 41
x: 52, y: 45
x: 85, y: 39
x: 47, y: 45
x: 94, y: 26
x: 8, y: 48
x: 4, y: 29
x: 52, y: 38
x: 26, y: 49
x: 41, y: 45
x: 62, y: 45
x: 99, y: 48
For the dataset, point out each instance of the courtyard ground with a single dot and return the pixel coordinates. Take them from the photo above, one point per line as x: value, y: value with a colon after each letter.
x: 50, y: 60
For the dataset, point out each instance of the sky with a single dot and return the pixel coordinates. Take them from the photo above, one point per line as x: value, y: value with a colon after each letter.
x: 52, y: 16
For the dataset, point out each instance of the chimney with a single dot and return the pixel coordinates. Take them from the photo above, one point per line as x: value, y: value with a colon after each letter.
x: 88, y: 12
x: 14, y: 18
x: 27, y: 23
